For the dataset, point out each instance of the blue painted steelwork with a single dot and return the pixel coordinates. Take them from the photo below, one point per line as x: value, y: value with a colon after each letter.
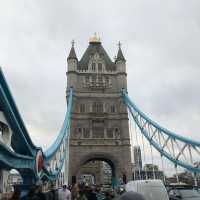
x: 21, y: 141
x: 61, y: 138
x: 24, y: 156
x: 143, y: 121
x: 51, y: 176
x: 11, y: 160
x: 51, y: 151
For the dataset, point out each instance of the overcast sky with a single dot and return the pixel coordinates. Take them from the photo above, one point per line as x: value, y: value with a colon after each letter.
x: 160, y: 41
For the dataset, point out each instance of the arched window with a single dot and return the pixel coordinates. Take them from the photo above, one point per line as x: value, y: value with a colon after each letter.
x: 109, y: 132
x: 113, y: 108
x: 93, y: 66
x: 100, y: 67
x: 117, y: 133
x: 86, y: 133
x: 82, y: 108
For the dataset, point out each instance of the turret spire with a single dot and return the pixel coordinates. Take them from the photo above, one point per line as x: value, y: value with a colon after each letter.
x: 72, y: 53
x: 120, y: 56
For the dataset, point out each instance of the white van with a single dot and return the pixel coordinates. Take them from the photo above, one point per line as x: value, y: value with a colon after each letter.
x: 151, y: 189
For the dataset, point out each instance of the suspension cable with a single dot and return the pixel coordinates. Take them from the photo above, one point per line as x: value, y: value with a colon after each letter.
x: 152, y: 161
x: 131, y: 141
x: 131, y: 133
x: 173, y: 151
x: 191, y: 160
x: 177, y: 177
x: 164, y: 178
x: 161, y: 156
x: 137, y: 146
x: 146, y: 176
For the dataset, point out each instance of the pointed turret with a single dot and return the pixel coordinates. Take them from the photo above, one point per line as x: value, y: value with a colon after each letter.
x: 120, y: 56
x: 72, y: 60
x: 120, y: 62
x: 72, y: 53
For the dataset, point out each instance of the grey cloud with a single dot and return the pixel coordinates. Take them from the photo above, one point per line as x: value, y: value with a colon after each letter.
x: 160, y: 41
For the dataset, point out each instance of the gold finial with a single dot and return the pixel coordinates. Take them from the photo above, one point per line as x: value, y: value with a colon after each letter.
x: 95, y: 38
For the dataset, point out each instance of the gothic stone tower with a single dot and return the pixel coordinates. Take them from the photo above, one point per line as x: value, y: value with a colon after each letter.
x: 99, y: 126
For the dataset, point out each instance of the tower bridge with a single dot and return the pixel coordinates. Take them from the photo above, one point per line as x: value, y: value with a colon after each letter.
x: 99, y: 125
x: 96, y: 127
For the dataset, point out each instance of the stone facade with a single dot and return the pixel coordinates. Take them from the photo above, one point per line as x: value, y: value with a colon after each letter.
x: 99, y: 126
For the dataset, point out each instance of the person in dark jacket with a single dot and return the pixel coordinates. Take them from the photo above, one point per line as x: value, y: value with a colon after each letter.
x: 131, y: 196
x: 16, y: 194
x: 108, y: 195
x: 39, y: 195
x: 90, y: 194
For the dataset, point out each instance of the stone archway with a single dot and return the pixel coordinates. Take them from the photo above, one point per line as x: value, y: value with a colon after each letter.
x: 114, y: 162
x: 102, y: 169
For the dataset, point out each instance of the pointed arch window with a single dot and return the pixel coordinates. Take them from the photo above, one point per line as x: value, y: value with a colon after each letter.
x: 100, y: 67
x: 82, y: 108
x: 113, y: 108
x: 86, y: 132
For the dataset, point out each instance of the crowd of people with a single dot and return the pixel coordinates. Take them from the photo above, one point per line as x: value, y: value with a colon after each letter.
x: 79, y: 191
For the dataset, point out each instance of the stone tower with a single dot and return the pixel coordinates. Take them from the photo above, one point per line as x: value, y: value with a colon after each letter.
x: 99, y: 125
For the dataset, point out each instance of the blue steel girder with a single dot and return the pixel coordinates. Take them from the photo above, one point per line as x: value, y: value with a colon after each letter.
x: 55, y: 155
x: 178, y: 149
x: 29, y: 160
x: 53, y: 149
x: 11, y: 160
x: 21, y: 141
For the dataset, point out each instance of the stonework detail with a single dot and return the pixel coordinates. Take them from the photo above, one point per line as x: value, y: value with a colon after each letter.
x: 99, y: 127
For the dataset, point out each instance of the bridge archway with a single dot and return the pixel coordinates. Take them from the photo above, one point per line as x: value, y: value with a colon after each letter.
x: 117, y: 168
x: 102, y: 169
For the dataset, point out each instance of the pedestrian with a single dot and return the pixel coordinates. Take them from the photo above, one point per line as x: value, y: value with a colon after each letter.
x: 131, y: 196
x: 64, y: 193
x: 78, y: 192
x: 16, y: 194
x: 99, y: 195
x: 39, y: 195
x: 52, y: 194
x: 108, y: 195
x: 81, y: 193
x: 30, y: 195
x: 90, y: 194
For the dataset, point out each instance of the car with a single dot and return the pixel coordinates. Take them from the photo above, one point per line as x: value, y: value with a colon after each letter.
x: 183, y: 193
x: 150, y: 189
